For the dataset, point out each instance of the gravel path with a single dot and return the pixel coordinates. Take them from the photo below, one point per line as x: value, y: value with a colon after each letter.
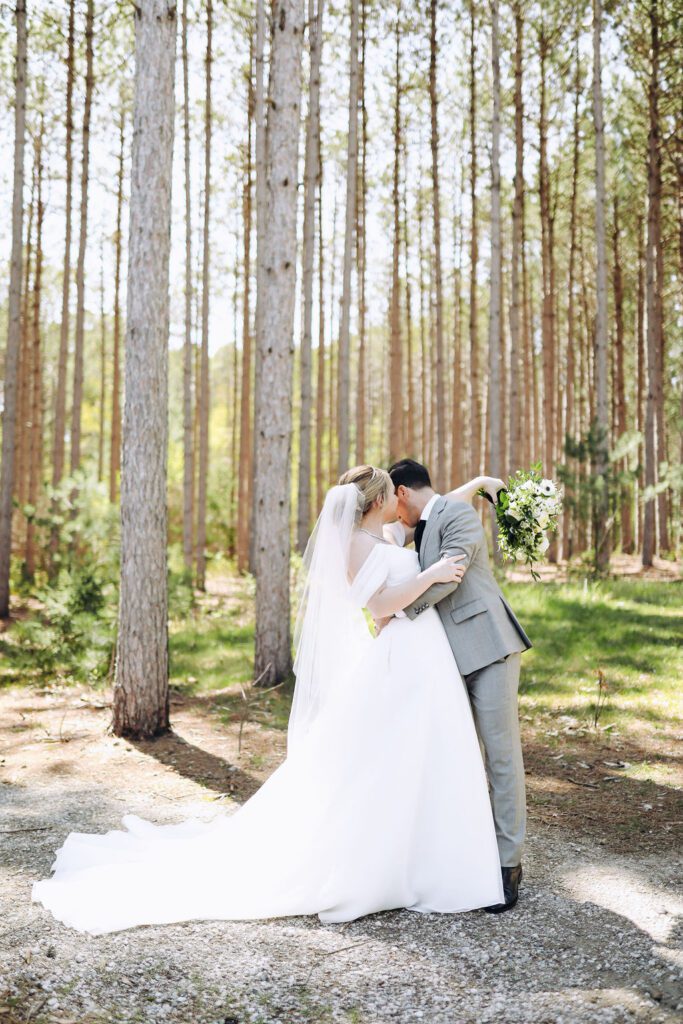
x: 596, y: 937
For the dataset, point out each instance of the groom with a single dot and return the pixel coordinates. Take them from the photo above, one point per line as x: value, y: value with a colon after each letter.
x: 487, y: 641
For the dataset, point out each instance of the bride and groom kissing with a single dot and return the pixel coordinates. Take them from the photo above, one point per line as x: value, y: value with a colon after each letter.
x: 403, y: 785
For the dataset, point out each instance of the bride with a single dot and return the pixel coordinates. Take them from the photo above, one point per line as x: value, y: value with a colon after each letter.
x: 382, y: 800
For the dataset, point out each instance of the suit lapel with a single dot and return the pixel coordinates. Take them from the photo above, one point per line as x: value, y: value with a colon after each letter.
x: 437, y: 509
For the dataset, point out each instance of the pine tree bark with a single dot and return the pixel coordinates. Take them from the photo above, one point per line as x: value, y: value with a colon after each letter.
x: 204, y: 383
x: 260, y: 156
x: 14, y: 313
x: 103, y: 373
x: 625, y: 517
x: 244, y: 491
x: 396, y: 413
x: 476, y: 409
x: 602, y: 536
x: 141, y: 699
x: 188, y: 446
x: 440, y: 397
x: 570, y: 414
x: 77, y: 397
x: 320, y: 386
x: 273, y: 414
x: 458, y: 461
x: 640, y: 374
x: 310, y: 180
x: 409, y: 439
x: 424, y: 366
x: 35, y: 453
x: 515, y: 422
x: 344, y: 349
x: 652, y: 287
x: 496, y: 458
x: 547, y: 245
x: 115, y: 453
x: 361, y: 245
x: 23, y: 416
x: 58, y: 456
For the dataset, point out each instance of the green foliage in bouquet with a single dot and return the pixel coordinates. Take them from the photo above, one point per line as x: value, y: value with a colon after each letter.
x: 525, y: 511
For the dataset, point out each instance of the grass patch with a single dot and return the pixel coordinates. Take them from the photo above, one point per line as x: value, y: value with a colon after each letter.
x: 630, y: 630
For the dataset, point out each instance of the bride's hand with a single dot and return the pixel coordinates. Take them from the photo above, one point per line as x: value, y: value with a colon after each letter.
x: 492, y: 484
x: 381, y: 623
x: 447, y: 570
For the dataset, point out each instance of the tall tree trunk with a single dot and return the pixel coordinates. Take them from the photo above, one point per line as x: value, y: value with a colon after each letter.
x: 652, y: 300
x: 570, y: 415
x: 310, y: 180
x: 273, y: 416
x: 438, y: 280
x: 495, y: 339
x: 619, y: 382
x: 204, y: 385
x: 476, y: 411
x: 62, y: 364
x: 77, y: 397
x: 663, y: 543
x: 530, y: 436
x: 361, y: 243
x: 396, y: 413
x: 409, y: 439
x: 244, y: 492
x: 333, y: 391
x: 516, y: 376
x: 23, y: 416
x: 36, y: 436
x: 344, y: 356
x: 260, y: 156
x: 640, y: 373
x: 141, y: 700
x: 424, y: 366
x: 188, y: 446
x: 458, y: 454
x: 115, y: 454
x: 35, y: 457
x: 103, y: 372
x: 320, y: 387
x: 14, y: 313
x: 234, y: 401
x: 601, y: 514
x: 547, y: 324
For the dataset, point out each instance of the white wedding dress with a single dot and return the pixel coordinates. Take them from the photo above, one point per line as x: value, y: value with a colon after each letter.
x: 382, y: 804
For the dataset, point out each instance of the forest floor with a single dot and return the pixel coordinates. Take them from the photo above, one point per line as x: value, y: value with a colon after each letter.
x: 596, y: 937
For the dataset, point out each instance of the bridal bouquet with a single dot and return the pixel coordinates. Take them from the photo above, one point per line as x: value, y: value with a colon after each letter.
x: 526, y: 511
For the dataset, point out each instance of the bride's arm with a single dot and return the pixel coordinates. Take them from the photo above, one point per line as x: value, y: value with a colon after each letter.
x: 491, y: 484
x: 389, y: 600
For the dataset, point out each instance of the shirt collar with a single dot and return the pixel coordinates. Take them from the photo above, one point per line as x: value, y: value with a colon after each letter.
x: 429, y: 506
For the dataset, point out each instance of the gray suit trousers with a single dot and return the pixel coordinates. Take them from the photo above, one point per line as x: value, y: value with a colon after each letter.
x: 493, y: 696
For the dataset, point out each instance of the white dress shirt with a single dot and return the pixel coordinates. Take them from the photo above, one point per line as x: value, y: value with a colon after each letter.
x: 401, y: 536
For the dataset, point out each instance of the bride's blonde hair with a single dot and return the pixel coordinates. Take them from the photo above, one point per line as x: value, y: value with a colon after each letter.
x: 371, y: 482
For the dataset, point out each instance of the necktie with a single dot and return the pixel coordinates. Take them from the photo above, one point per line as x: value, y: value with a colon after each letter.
x: 419, y: 530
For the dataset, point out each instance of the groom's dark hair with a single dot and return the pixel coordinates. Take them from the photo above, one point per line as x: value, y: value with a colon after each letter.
x: 409, y: 473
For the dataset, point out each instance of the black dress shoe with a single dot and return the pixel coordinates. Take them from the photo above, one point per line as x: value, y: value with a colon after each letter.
x: 511, y: 879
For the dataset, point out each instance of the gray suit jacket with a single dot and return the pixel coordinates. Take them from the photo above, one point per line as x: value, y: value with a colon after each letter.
x: 480, y: 625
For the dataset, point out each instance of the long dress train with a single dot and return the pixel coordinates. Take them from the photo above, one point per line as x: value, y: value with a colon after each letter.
x: 383, y: 804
